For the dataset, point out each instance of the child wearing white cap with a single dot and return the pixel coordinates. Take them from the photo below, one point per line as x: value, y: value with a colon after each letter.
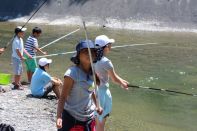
x: 42, y: 83
x: 17, y: 55
x: 104, y: 69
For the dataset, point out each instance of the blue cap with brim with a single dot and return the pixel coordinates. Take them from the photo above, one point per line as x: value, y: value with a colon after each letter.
x: 82, y: 45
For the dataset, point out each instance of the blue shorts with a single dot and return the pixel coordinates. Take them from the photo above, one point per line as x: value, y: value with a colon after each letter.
x: 17, y: 66
x: 105, y: 100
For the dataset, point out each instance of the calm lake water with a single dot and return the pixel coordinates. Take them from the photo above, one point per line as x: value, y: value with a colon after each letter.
x: 169, y: 64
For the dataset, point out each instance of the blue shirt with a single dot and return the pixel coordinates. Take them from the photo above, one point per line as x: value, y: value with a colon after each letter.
x: 39, y: 79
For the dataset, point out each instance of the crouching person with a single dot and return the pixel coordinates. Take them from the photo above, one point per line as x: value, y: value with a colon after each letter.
x: 42, y: 83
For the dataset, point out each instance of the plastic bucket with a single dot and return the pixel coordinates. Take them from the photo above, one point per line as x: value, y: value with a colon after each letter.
x: 5, y: 78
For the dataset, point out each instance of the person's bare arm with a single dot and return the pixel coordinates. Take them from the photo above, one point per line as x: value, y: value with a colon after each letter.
x: 98, y: 107
x: 19, y: 54
x: 27, y: 53
x: 67, y: 86
x: 117, y: 79
x: 56, y: 81
x: 1, y: 50
x: 43, y: 52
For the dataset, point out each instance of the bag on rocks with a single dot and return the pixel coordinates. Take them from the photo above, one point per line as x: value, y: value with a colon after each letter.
x: 6, y: 127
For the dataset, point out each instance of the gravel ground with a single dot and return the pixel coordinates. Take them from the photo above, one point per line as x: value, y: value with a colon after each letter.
x: 26, y: 113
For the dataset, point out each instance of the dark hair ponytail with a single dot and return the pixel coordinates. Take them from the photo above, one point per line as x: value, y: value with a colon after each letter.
x: 42, y: 67
x: 100, y: 53
x: 75, y: 59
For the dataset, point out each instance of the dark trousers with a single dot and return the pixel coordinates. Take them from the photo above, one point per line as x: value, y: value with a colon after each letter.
x: 69, y: 123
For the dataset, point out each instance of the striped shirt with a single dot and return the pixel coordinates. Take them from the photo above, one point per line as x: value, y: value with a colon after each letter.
x: 30, y: 45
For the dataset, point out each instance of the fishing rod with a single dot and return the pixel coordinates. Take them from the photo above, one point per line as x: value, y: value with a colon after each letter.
x: 56, y: 54
x: 25, y: 24
x: 71, y: 52
x: 120, y: 46
x: 60, y: 38
x: 160, y: 89
x: 91, y: 61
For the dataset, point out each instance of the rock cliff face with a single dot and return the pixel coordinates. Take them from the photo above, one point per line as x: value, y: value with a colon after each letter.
x: 168, y: 11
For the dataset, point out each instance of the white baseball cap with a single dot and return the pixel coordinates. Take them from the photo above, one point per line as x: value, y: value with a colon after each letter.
x: 44, y: 61
x: 20, y: 29
x: 103, y: 40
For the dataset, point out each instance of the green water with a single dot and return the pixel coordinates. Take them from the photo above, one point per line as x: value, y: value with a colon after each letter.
x: 171, y: 64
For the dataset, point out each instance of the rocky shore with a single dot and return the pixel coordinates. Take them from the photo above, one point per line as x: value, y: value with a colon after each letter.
x: 26, y: 113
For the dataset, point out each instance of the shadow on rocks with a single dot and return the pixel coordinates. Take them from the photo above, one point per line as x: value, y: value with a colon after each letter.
x: 48, y: 97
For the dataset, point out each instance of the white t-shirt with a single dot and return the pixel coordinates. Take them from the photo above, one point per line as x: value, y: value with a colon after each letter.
x: 17, y: 44
x: 101, y: 68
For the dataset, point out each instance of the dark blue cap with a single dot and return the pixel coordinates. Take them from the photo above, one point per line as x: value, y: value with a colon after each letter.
x: 81, y: 45
x: 84, y: 44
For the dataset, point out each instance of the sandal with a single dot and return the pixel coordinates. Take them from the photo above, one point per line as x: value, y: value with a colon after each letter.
x: 17, y: 87
x: 25, y: 83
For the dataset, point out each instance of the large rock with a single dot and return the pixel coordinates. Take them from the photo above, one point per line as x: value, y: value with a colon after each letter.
x: 175, y: 11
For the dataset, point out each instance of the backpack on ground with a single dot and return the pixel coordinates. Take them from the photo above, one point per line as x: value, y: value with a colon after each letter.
x: 6, y: 127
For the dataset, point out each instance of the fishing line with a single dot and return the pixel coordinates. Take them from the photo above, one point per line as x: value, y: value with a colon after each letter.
x: 71, y: 52
x: 63, y: 53
x: 25, y: 24
x: 34, y: 13
x: 56, y: 54
x: 133, y: 86
x: 134, y: 45
x: 60, y: 38
x: 160, y: 89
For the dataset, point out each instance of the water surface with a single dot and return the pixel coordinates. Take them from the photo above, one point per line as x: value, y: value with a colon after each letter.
x: 170, y: 64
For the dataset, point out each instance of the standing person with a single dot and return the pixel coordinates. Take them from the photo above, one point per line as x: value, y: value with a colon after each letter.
x: 31, y: 46
x: 42, y: 83
x: 76, y: 104
x: 17, y: 56
x: 104, y: 69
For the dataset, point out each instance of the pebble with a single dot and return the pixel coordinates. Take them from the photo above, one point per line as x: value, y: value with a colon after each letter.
x: 26, y: 113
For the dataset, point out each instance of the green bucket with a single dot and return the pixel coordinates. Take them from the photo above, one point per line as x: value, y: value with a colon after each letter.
x: 5, y: 78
